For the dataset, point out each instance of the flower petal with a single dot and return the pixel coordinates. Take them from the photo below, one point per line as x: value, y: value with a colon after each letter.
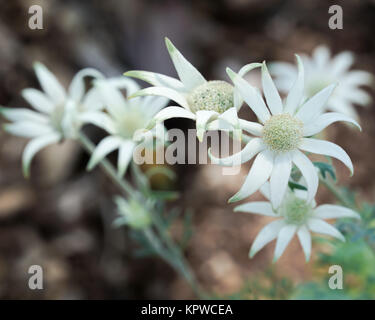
x: 22, y: 114
x: 322, y: 227
x: 324, y: 120
x: 171, y: 112
x: 313, y: 107
x: 249, y: 151
x: 99, y: 119
x: 77, y: 86
x: 285, y: 235
x: 295, y: 94
x: 38, y: 100
x: 327, y: 148
x: 251, y: 96
x: 188, y: 74
x: 321, y: 55
x: 270, y: 92
x: 92, y: 100
x: 341, y: 63
x: 304, y: 237
x: 157, y: 79
x: 164, y: 92
x: 331, y: 211
x: 230, y: 116
x: 33, y: 147
x: 258, y: 175
x: 113, y: 99
x: 252, y: 127
x: 308, y: 171
x: 107, y: 145
x: 266, y: 235
x: 28, y: 129
x: 279, y: 178
x: 49, y: 83
x: 124, y: 156
x: 258, y: 207
x: 202, y: 118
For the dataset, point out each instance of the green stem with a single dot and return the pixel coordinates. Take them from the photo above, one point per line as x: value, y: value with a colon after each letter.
x: 173, y: 256
x: 334, y: 190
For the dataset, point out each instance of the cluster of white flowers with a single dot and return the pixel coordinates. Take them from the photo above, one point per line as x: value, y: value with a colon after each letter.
x: 278, y: 141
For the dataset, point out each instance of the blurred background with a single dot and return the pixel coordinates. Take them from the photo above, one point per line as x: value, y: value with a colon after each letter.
x: 61, y: 217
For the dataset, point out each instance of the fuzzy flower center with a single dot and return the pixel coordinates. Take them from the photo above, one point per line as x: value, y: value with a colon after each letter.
x: 213, y: 95
x: 295, y: 210
x: 130, y: 123
x: 282, y: 132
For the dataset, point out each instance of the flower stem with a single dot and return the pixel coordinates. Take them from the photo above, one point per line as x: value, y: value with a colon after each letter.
x: 169, y: 251
x: 336, y: 192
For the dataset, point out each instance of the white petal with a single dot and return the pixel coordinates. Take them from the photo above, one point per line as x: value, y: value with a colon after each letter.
x: 219, y: 124
x: 357, y: 96
x: 124, y: 83
x: 259, y: 207
x: 322, y: 227
x: 92, y: 100
x: 251, y: 96
x: 33, y: 147
x: 331, y: 211
x: 51, y: 86
x: 164, y: 92
x: 202, y: 118
x: 358, y: 78
x: 152, y: 105
x: 285, y: 235
x: 266, y: 235
x: 247, y: 68
x: 230, y: 116
x: 327, y: 148
x: 113, y: 99
x: 28, y: 129
x: 249, y: 151
x: 107, y: 145
x: 258, y: 175
x: 321, y: 56
x: 38, y: 100
x: 308, y: 171
x: 295, y: 94
x: 188, y: 74
x: 270, y: 92
x: 280, y: 178
x: 251, y: 127
x: 265, y: 190
x: 157, y: 79
x: 341, y: 63
x: 304, y: 237
x: 313, y: 107
x: 77, y: 86
x: 124, y: 156
x: 99, y: 119
x: 341, y: 105
x: 324, y: 120
x: 22, y: 114
x: 171, y: 112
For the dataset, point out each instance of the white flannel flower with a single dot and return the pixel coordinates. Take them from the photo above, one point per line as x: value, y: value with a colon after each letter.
x: 125, y: 120
x: 202, y: 100
x: 57, y: 114
x: 296, y: 215
x: 322, y: 70
x: 284, y: 130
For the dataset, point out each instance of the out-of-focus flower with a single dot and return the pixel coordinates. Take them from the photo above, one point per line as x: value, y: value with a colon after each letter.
x: 57, y: 114
x: 202, y: 100
x: 283, y: 131
x: 296, y: 215
x: 125, y: 120
x: 133, y: 213
x: 321, y: 70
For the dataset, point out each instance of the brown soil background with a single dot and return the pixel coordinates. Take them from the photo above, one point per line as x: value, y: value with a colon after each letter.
x: 61, y: 217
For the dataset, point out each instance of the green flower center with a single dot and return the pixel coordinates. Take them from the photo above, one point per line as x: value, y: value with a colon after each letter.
x: 295, y: 210
x: 282, y: 132
x: 132, y: 121
x: 213, y: 95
